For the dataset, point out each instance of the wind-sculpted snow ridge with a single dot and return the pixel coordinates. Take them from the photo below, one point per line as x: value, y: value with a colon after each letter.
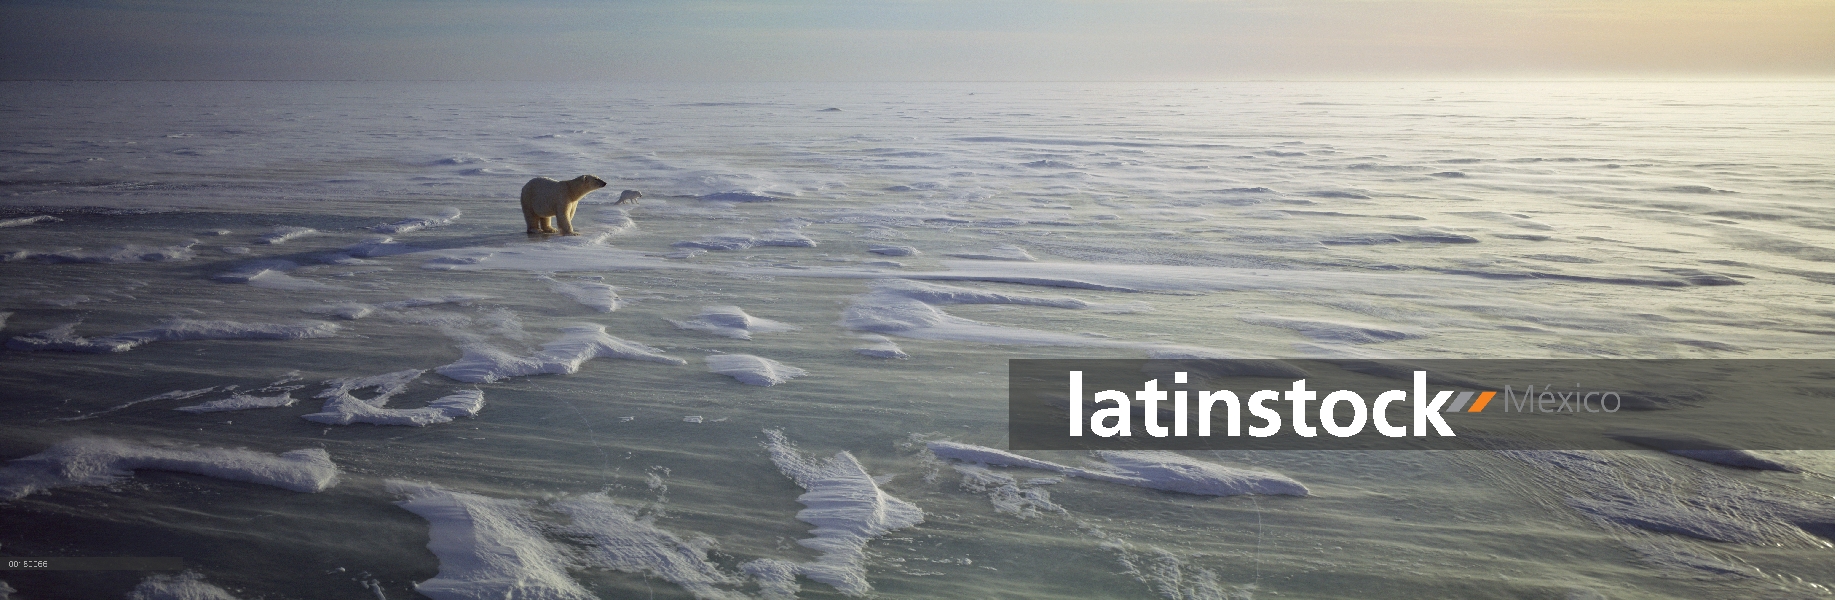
x: 753, y: 370
x: 936, y: 294
x: 341, y: 411
x: 947, y: 294
x: 249, y: 271
x: 1002, y: 252
x: 283, y: 234
x: 1702, y: 449
x: 893, y: 313
x: 385, y: 385
x: 271, y: 274
x: 618, y: 539
x: 188, y: 585
x: 1173, y: 578
x: 87, y: 461
x: 983, y: 455
x: 23, y: 221
x: 879, y: 346
x: 1147, y: 469
x: 1211, y: 362
x: 488, y: 547
x: 495, y: 548
x: 241, y: 402
x: 1177, y: 278
x: 586, y: 252
x: 730, y: 321
x: 1522, y: 221
x: 1637, y: 491
x: 738, y: 197
x: 908, y: 317
x: 599, y: 296
x: 343, y: 408
x: 889, y: 311
x: 1006, y: 493
x: 784, y: 236
x: 776, y: 578
x: 460, y: 299
x: 375, y: 246
x: 730, y: 241
x: 172, y: 395
x: 1336, y: 331
x: 483, y: 363
x: 893, y: 250
x: 120, y: 254
x: 352, y: 311
x: 955, y: 274
x: 1162, y: 571
x: 616, y: 220
x: 65, y: 301
x: 1178, y: 473
x: 63, y: 337
x: 445, y: 217
x: 848, y: 510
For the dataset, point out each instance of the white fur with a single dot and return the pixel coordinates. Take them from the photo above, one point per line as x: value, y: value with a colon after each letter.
x: 544, y: 199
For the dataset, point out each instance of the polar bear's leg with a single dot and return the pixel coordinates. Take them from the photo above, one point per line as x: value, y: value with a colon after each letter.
x: 563, y: 218
x: 528, y: 217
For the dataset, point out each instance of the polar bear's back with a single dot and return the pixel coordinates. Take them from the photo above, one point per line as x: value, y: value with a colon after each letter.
x: 543, y: 187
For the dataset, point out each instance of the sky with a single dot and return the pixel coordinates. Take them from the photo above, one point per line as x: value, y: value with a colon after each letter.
x: 914, y: 40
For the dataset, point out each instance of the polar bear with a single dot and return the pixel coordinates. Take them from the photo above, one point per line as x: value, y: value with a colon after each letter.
x: 544, y: 198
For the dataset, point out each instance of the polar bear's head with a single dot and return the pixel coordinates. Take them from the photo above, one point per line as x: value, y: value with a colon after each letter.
x: 592, y: 182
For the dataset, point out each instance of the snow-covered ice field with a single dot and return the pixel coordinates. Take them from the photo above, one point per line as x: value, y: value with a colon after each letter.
x: 294, y: 333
